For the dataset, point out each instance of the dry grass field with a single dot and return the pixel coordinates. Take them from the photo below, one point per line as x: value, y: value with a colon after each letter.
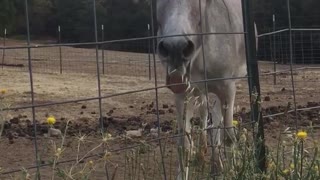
x: 124, y: 72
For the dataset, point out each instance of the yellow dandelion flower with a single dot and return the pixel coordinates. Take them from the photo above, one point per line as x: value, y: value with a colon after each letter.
x: 235, y: 123
x: 302, y: 135
x: 3, y: 91
x: 51, y: 120
x: 286, y: 171
x: 291, y: 166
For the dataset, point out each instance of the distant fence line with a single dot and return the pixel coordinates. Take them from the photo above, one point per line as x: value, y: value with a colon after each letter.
x: 275, y: 46
x: 82, y: 59
x: 134, y: 57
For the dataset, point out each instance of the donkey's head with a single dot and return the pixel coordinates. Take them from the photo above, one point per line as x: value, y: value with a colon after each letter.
x: 178, y: 17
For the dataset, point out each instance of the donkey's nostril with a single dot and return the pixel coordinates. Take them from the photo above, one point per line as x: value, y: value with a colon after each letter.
x: 188, y: 50
x: 163, y: 50
x: 179, y: 48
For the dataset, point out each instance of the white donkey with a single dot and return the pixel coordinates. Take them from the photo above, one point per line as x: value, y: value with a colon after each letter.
x: 224, y: 56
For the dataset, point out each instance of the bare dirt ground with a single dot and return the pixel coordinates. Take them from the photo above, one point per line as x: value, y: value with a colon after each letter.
x: 120, y: 113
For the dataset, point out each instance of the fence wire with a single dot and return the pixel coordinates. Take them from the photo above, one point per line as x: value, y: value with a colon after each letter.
x: 276, y: 46
x: 108, y: 58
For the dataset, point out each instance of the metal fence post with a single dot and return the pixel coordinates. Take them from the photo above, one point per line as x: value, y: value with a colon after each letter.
x: 274, y: 51
x: 294, y: 54
x: 311, y: 42
x: 4, y: 45
x: 101, y: 122
x: 60, y: 51
x: 149, y: 51
x: 102, y: 49
x: 302, y: 47
x: 291, y: 65
x: 254, y: 84
x: 37, y: 157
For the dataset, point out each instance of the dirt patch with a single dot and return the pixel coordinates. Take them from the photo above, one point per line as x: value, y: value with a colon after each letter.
x: 126, y: 112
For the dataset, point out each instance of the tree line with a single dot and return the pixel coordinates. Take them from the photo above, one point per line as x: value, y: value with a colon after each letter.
x: 127, y: 18
x: 121, y: 18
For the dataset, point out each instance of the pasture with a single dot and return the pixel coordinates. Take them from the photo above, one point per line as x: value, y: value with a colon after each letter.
x: 122, y: 112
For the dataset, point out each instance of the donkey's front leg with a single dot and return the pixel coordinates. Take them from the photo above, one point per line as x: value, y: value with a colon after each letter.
x: 185, y: 143
x: 227, y: 98
x: 227, y: 104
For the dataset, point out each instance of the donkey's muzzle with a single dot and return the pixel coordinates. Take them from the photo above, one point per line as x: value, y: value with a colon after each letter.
x: 176, y: 82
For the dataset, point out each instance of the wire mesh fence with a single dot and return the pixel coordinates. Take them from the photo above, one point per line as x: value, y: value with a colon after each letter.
x: 276, y: 47
x: 103, y: 88
x: 81, y: 59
